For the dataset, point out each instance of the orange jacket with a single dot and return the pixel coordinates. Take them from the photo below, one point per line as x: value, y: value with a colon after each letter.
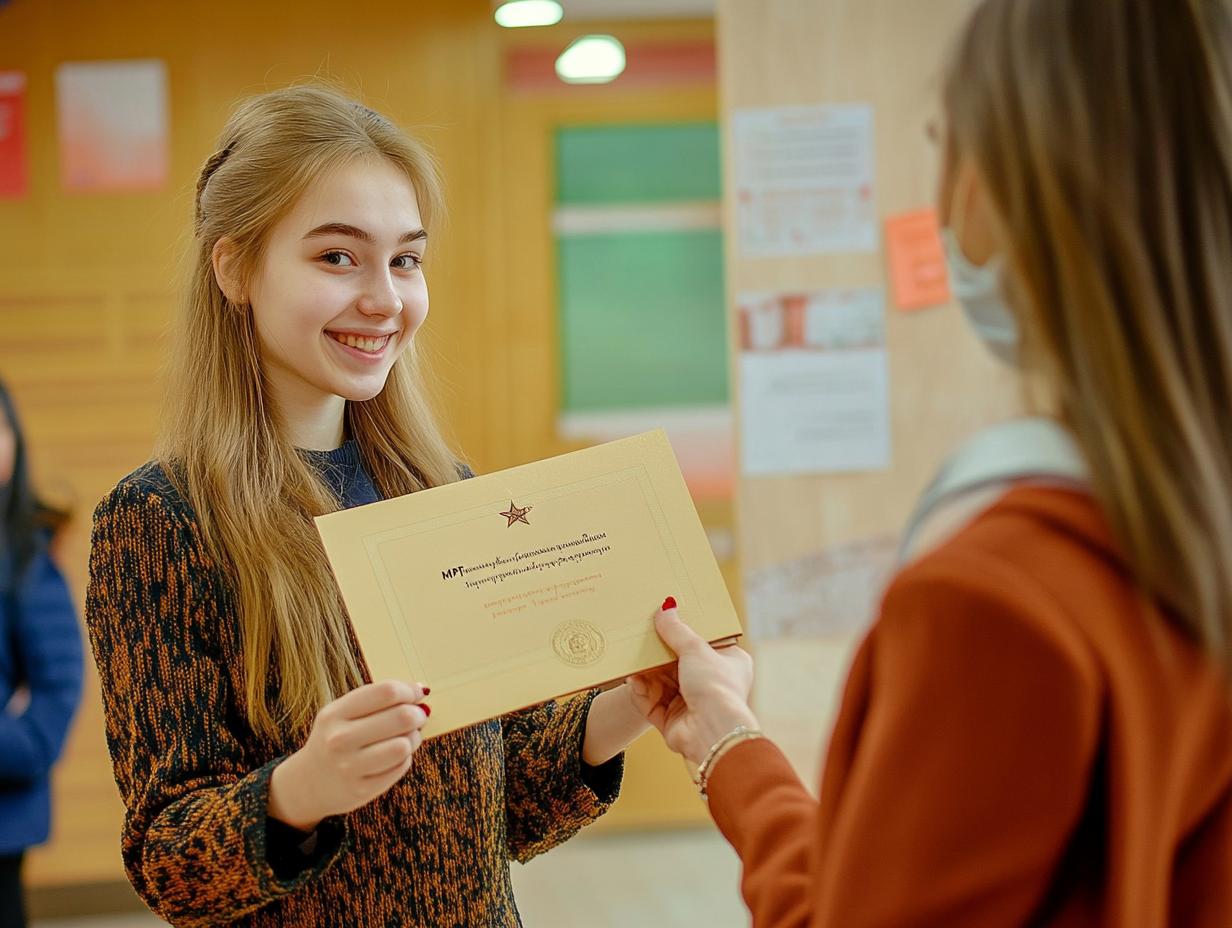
x: 1024, y: 739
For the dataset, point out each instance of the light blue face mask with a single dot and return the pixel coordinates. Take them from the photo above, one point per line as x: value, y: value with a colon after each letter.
x: 978, y: 289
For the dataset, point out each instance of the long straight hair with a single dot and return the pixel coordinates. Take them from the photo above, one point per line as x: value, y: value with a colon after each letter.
x: 223, y: 438
x: 1103, y: 133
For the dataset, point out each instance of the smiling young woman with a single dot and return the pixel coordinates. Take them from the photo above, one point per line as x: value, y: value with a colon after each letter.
x: 268, y: 780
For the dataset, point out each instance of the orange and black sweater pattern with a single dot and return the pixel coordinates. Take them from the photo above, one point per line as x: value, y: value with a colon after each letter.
x: 194, y: 777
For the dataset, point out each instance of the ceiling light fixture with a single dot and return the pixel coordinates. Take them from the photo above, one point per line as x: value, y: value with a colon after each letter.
x: 519, y: 13
x: 592, y: 59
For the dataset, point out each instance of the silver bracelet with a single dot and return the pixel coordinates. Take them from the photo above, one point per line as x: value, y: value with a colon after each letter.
x: 721, y: 747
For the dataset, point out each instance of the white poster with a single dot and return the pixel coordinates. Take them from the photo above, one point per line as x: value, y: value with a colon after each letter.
x: 832, y: 593
x: 113, y: 121
x: 804, y: 180
x: 814, y: 382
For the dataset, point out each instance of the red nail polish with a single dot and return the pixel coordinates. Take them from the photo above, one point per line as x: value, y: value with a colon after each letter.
x: 427, y: 690
x: 426, y: 708
x: 669, y: 603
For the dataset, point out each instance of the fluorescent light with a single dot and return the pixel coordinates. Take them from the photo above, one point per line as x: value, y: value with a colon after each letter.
x: 592, y: 59
x: 520, y: 13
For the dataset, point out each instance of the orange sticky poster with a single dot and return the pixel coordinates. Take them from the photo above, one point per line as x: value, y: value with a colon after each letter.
x: 917, y: 260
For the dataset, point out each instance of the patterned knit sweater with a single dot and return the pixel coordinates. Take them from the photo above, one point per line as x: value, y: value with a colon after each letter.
x: 194, y: 777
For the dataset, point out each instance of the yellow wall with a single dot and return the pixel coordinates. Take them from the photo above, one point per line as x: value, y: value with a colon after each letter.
x: 88, y: 282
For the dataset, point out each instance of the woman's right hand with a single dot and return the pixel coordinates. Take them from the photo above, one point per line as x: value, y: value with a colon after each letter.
x: 702, y: 698
x: 361, y: 744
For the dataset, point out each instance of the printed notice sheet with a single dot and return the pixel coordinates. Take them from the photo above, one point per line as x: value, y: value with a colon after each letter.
x: 814, y: 382
x: 804, y: 180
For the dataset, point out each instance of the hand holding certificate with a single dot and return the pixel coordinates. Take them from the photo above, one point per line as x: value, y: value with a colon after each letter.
x: 531, y: 583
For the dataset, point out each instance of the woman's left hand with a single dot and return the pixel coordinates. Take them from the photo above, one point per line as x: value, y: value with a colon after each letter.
x: 703, y: 697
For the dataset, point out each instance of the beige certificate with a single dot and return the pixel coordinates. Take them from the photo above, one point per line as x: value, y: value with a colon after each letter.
x: 520, y: 586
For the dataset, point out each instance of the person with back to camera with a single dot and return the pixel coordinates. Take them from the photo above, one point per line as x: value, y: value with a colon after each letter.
x: 1037, y: 729
x: 40, y: 662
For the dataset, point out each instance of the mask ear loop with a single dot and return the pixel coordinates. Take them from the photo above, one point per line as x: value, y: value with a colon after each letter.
x: 996, y: 265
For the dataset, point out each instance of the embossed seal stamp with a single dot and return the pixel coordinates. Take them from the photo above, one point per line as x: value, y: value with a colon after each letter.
x: 578, y: 642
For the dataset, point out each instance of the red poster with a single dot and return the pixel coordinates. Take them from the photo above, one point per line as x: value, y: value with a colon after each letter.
x: 14, y: 173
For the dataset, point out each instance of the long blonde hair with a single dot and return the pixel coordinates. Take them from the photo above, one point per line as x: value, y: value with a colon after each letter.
x: 1103, y: 134
x: 223, y: 439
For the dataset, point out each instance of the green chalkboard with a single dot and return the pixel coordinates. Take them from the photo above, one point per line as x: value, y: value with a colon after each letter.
x: 642, y: 313
x: 642, y: 320
x: 637, y: 164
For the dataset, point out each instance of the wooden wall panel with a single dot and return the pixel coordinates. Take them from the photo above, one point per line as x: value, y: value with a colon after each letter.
x: 887, y: 53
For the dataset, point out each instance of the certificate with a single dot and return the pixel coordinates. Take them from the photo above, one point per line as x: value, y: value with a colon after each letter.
x: 521, y: 586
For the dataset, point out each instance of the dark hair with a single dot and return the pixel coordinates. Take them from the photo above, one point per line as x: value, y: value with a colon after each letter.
x: 26, y: 522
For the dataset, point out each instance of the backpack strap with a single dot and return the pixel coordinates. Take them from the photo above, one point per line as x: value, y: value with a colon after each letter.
x: 1035, y: 450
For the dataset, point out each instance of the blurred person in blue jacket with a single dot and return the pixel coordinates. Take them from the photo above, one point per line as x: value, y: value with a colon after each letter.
x: 40, y: 663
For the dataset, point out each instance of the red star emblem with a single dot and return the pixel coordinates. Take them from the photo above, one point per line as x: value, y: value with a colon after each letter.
x: 516, y: 514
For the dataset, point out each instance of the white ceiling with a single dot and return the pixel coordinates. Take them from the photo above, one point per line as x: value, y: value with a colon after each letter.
x: 637, y: 9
